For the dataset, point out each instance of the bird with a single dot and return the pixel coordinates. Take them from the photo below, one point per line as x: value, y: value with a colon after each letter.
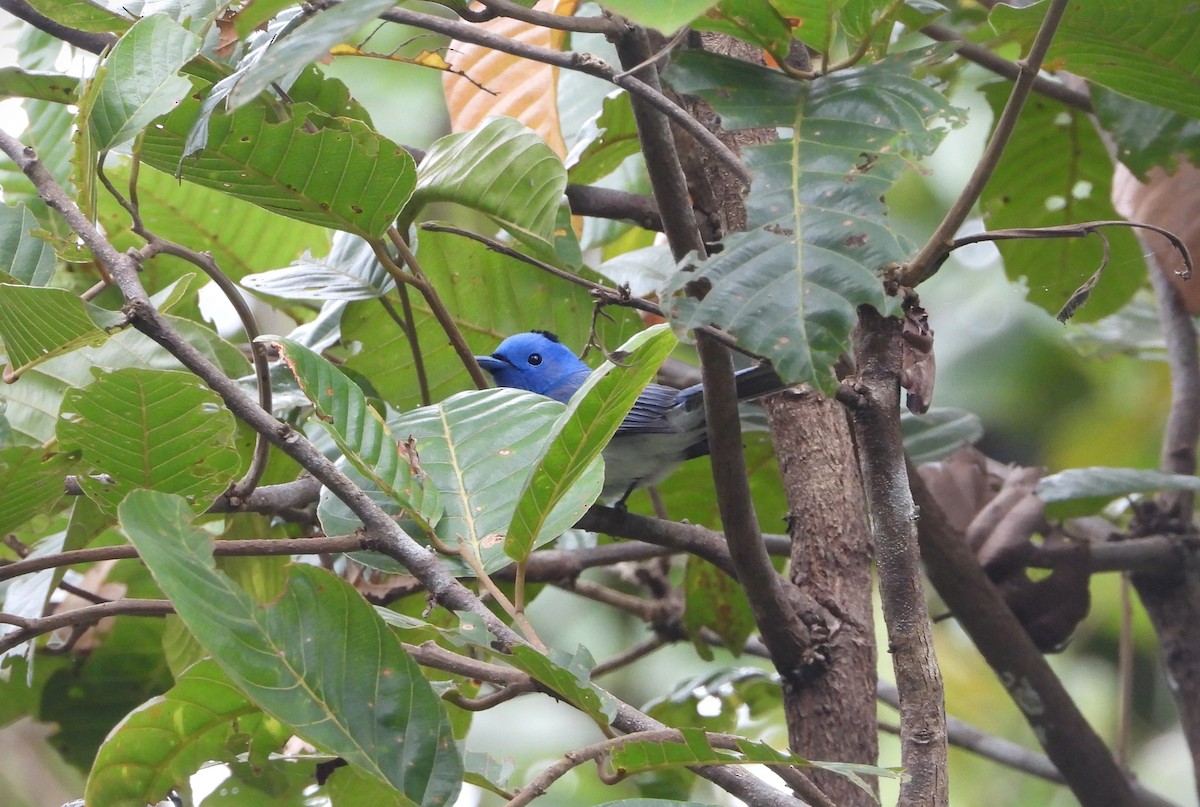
x: 665, y: 427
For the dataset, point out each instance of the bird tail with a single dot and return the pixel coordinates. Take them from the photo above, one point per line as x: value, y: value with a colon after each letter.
x: 757, y: 382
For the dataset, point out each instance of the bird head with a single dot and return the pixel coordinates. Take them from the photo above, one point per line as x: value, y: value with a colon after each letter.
x: 536, y: 361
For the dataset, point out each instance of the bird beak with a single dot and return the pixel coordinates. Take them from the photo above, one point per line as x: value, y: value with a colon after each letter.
x: 491, y: 363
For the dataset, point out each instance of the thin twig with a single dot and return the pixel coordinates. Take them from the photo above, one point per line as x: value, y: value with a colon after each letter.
x: 629, y: 655
x: 408, y: 324
x: 88, y: 615
x: 926, y: 261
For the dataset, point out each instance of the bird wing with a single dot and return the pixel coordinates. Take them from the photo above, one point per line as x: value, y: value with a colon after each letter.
x: 648, y: 415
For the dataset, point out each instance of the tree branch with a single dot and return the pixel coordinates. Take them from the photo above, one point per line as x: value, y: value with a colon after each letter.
x: 86, y: 40
x: 925, y: 263
x: 875, y: 417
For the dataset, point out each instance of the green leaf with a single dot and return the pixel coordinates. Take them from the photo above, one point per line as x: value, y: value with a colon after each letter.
x: 605, y: 141
x: 349, y: 272
x: 1108, y: 483
x: 256, y: 12
x: 154, y: 429
x: 502, y: 169
x: 477, y: 448
x: 37, y: 324
x: 817, y: 20
x: 25, y: 257
x: 16, y: 82
x: 1073, y: 184
x: 319, y: 660
x: 203, y: 718
x: 665, y: 15
x: 568, y: 677
x: 789, y: 288
x: 714, y: 600
x: 1146, y: 136
x: 938, y: 433
x: 754, y: 21
x: 342, y: 175
x: 304, y: 43
x: 1146, y: 51
x: 361, y: 434
x: 581, y: 432
x: 32, y: 481
x: 85, y: 15
x: 139, y: 80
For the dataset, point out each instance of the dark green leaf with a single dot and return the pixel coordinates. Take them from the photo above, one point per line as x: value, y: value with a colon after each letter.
x: 606, y: 140
x: 788, y: 289
x: 1144, y: 50
x: 203, y: 718
x: 319, y: 660
x: 714, y: 600
x: 1072, y: 184
x: 568, y: 677
x: 1146, y: 136
x: 754, y: 21
x: 334, y: 172
x: 86, y: 15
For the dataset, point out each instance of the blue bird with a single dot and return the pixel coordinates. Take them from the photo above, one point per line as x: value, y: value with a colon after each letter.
x: 665, y: 427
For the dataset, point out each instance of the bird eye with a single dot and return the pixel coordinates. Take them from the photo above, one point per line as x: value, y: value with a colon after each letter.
x: 535, y: 359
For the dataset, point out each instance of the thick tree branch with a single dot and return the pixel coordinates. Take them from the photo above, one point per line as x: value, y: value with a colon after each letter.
x: 875, y: 416
x: 86, y: 40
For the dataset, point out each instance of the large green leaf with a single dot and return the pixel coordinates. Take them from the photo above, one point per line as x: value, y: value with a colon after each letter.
x: 203, y: 718
x: 25, y: 257
x: 349, y: 272
x: 39, y: 323
x: 86, y: 15
x: 714, y: 600
x: 318, y: 660
x: 361, y: 434
x: 477, y: 448
x: 582, y: 431
x: 1072, y: 184
x: 302, y: 44
x: 1144, y: 50
x: 498, y: 297
x: 138, y: 80
x: 1145, y: 135
x: 788, y: 289
x: 153, y: 429
x: 503, y: 169
x: 334, y: 172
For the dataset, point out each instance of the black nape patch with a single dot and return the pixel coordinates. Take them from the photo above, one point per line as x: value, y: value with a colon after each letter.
x: 553, y: 337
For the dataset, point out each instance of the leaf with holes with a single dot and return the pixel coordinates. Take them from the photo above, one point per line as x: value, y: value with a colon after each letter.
x: 155, y: 429
x: 203, y: 718
x: 334, y: 172
x: 582, y: 431
x: 501, y: 169
x: 1073, y: 184
x: 361, y: 434
x: 138, y: 80
x: 318, y: 659
x: 788, y: 289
